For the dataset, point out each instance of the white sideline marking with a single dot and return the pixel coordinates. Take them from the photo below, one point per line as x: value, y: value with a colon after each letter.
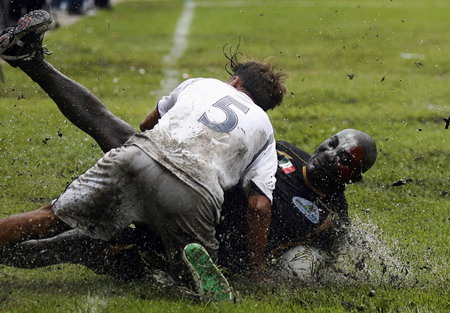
x: 180, y: 43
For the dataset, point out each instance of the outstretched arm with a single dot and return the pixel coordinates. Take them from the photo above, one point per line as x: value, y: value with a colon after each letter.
x: 79, y: 105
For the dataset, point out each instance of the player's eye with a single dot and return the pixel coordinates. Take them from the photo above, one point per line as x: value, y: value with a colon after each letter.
x: 333, y: 142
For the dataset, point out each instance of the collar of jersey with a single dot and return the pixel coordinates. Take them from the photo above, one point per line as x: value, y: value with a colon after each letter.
x: 305, y: 177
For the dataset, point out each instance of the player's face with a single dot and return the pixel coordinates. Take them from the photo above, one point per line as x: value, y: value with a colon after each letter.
x: 337, y: 159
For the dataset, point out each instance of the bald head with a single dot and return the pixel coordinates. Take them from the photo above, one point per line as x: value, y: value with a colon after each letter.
x: 341, y: 159
x: 363, y: 140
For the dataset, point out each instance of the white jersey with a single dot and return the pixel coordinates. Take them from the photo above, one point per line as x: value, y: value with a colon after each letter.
x: 212, y: 137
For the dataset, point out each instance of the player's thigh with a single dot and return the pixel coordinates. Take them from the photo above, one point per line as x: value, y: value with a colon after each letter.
x: 176, y: 211
x: 105, y: 199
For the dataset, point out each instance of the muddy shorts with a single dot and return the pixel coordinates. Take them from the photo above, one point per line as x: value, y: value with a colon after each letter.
x: 127, y: 186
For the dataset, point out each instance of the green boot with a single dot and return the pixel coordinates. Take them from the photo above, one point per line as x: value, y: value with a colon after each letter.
x: 209, y: 280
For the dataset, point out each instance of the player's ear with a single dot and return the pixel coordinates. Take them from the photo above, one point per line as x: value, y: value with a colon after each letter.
x: 235, y: 81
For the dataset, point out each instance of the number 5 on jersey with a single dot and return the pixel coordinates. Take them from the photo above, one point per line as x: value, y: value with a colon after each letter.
x: 231, y: 118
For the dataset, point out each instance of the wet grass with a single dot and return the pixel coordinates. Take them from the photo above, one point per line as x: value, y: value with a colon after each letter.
x: 378, y: 66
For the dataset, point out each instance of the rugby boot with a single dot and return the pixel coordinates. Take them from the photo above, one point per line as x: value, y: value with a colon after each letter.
x: 24, y: 42
x: 7, y: 38
x: 210, y: 282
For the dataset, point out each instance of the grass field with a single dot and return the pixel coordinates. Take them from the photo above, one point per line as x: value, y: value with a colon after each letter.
x: 381, y: 66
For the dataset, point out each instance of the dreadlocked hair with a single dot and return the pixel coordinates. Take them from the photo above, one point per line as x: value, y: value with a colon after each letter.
x: 258, y: 78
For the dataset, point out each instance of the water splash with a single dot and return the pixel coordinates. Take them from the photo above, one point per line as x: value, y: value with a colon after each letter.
x: 364, y: 256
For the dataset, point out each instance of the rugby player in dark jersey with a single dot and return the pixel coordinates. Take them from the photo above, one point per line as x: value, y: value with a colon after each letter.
x: 309, y: 204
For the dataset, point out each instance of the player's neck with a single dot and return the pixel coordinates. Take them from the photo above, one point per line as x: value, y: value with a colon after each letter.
x: 308, y: 183
x: 322, y: 187
x: 237, y: 83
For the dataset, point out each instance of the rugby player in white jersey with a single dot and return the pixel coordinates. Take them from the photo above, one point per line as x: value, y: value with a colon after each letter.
x: 201, y: 140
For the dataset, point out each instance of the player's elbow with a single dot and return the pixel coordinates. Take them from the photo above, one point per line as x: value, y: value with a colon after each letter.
x: 259, y: 205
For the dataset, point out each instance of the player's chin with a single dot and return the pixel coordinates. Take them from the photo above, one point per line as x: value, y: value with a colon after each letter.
x: 315, y: 166
x: 327, y: 172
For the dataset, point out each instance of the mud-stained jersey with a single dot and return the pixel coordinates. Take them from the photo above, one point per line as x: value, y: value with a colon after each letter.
x: 212, y: 136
